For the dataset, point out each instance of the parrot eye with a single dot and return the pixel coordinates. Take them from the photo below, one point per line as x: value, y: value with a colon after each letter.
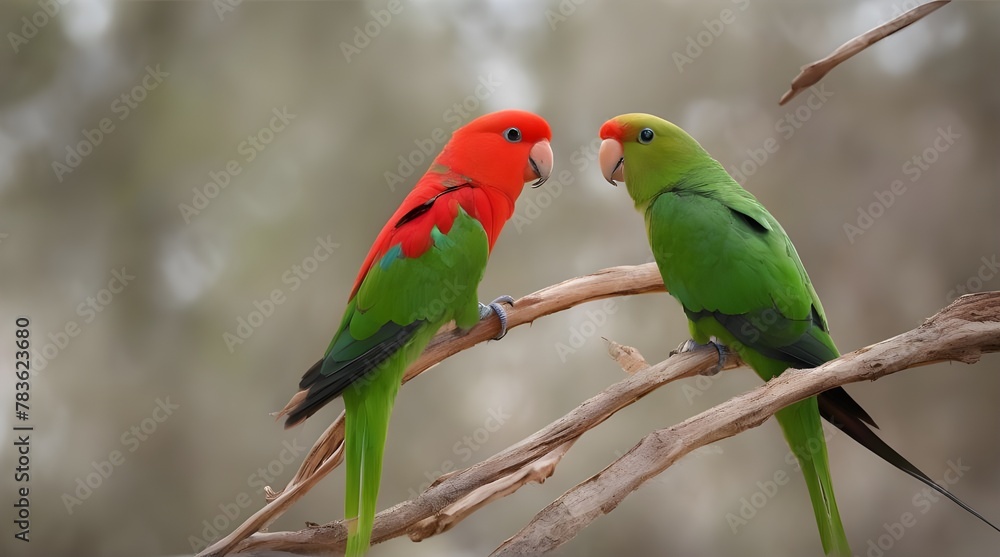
x: 645, y: 136
x: 512, y: 134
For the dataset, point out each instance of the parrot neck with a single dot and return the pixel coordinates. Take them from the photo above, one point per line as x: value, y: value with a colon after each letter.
x: 494, y: 213
x: 699, y: 176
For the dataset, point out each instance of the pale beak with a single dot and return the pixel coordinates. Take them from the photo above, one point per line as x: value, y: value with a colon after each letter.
x: 539, y: 163
x: 612, y: 159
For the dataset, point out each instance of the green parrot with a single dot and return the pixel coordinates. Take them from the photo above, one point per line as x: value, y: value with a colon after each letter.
x: 742, y: 286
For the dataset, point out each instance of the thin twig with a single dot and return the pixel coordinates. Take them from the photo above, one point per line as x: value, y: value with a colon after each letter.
x: 812, y: 73
x: 278, y: 503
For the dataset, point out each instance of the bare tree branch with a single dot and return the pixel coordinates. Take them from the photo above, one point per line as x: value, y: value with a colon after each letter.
x: 963, y: 331
x: 398, y: 520
x: 812, y: 73
x: 630, y: 360
x: 537, y: 471
x: 326, y: 453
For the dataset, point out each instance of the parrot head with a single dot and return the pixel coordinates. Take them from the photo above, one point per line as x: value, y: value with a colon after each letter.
x: 648, y: 153
x: 502, y: 150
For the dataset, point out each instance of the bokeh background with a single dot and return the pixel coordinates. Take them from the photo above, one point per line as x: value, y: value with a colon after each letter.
x: 215, y: 73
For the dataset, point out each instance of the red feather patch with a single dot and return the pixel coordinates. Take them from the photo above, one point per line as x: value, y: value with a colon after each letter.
x: 491, y: 208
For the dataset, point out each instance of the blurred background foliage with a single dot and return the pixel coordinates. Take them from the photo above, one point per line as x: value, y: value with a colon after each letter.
x: 359, y: 90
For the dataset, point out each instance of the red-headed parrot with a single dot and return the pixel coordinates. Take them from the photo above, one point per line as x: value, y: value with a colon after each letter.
x: 422, y: 272
x: 741, y: 284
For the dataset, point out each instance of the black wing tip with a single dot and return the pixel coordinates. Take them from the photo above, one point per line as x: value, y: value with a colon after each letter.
x: 311, y: 374
x: 328, y: 378
x: 291, y: 422
x: 838, y: 399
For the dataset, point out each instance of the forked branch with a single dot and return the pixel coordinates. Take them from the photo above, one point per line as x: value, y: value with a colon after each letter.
x: 962, y: 332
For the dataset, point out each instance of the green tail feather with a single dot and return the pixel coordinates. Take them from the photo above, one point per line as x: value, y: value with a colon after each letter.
x: 355, y: 426
x: 804, y: 433
x: 365, y: 443
x: 369, y: 408
x: 368, y: 404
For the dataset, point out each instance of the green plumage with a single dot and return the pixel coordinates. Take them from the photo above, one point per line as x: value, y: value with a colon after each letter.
x: 368, y: 405
x: 738, y: 277
x: 398, y: 307
x: 734, y: 270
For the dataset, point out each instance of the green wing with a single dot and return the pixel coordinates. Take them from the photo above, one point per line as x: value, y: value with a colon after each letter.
x: 399, y: 297
x: 435, y: 287
x: 724, y: 256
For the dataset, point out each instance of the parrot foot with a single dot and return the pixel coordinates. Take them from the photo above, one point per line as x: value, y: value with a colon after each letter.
x: 485, y: 310
x: 689, y: 345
